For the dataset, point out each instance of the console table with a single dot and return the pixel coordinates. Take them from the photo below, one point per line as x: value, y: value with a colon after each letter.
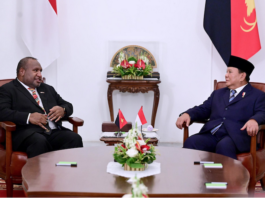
x: 134, y: 86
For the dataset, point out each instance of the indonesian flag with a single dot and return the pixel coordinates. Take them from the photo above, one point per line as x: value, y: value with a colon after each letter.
x: 39, y: 29
x: 140, y: 118
x: 232, y: 27
x: 120, y: 120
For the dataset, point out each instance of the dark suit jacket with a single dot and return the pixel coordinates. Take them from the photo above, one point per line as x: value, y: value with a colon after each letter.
x: 16, y: 103
x: 233, y: 115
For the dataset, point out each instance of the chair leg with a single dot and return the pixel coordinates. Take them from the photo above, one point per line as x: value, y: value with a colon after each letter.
x: 9, y: 187
x: 262, y: 182
x: 251, y: 187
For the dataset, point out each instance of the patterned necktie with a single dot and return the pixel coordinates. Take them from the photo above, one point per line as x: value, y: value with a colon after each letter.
x: 232, y: 95
x: 35, y: 96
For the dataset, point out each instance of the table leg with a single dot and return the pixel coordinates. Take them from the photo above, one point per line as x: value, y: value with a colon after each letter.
x: 155, y: 105
x: 109, y: 96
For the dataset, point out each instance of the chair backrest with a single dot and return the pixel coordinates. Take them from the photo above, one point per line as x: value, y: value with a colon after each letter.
x: 221, y: 84
x: 2, y: 131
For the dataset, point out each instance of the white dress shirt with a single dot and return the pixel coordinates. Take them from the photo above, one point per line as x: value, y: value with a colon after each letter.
x: 238, y: 90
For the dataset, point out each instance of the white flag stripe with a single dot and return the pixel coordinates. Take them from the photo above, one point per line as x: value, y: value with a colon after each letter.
x: 39, y: 30
x: 138, y: 121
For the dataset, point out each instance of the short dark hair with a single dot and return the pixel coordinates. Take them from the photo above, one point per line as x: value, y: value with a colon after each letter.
x: 247, y: 75
x: 23, y: 63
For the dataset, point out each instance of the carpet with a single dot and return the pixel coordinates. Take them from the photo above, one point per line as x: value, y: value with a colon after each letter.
x: 18, y: 190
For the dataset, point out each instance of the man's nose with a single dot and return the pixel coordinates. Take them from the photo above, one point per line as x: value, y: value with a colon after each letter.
x: 39, y: 74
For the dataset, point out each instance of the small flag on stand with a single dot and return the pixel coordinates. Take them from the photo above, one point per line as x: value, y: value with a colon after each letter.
x: 120, y: 120
x: 140, y: 119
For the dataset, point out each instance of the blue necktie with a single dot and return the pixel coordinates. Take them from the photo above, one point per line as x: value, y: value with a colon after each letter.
x: 232, y: 96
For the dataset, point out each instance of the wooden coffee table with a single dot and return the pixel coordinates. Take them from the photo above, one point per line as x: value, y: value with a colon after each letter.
x: 179, y: 176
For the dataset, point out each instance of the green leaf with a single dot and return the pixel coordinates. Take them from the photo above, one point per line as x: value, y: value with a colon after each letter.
x: 131, y: 58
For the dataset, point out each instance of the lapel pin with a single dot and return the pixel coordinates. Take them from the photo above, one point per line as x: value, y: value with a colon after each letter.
x: 42, y: 92
x: 243, y: 94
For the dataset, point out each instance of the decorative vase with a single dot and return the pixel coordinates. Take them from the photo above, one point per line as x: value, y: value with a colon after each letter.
x: 129, y: 77
x: 128, y: 168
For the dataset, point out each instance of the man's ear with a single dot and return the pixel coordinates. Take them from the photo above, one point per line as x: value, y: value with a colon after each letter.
x: 243, y: 76
x: 22, y: 71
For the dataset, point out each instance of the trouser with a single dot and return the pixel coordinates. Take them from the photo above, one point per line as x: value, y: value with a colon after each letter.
x: 39, y: 143
x: 220, y: 143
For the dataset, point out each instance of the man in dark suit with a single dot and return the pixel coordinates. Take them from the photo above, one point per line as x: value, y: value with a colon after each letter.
x: 37, y: 110
x: 234, y: 114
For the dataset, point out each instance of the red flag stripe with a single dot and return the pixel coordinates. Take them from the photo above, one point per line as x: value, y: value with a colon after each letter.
x: 245, y: 40
x: 122, y: 120
x: 53, y: 4
x: 141, y: 116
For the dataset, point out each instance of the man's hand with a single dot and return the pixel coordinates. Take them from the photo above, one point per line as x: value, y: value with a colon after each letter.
x: 38, y: 119
x: 252, y: 127
x: 56, y: 113
x: 183, y: 118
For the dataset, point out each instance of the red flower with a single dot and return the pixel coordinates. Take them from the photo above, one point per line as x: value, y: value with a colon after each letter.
x: 125, y: 64
x: 145, y: 196
x: 123, y: 146
x: 139, y: 137
x: 140, y: 64
x: 138, y: 147
x: 145, y: 147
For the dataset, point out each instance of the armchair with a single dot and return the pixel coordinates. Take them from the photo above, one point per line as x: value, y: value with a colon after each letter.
x: 254, y: 161
x: 11, y: 162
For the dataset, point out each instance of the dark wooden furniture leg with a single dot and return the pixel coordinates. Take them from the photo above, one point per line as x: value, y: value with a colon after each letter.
x: 110, y: 90
x: 155, y: 105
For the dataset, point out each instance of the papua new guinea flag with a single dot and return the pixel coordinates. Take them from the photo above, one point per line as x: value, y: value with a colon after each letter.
x: 120, y: 120
x: 232, y: 27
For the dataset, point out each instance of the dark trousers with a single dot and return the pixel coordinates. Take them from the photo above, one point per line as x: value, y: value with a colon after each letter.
x: 39, y: 143
x: 220, y: 143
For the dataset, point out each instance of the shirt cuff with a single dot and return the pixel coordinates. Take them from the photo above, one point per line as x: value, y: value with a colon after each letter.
x: 28, y: 118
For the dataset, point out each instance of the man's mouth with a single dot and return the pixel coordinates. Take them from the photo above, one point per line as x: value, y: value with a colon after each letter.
x: 38, y: 80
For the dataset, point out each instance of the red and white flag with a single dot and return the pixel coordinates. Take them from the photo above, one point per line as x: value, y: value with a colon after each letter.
x: 39, y: 29
x: 140, y: 119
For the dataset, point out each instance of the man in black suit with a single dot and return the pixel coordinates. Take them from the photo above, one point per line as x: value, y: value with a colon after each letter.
x: 37, y: 110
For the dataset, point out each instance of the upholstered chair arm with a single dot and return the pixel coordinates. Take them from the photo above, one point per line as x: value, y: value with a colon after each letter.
x: 76, y: 122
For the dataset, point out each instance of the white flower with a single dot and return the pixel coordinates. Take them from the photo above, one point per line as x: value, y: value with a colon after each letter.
x: 132, y: 62
x: 118, y: 65
x: 141, y: 142
x: 129, y: 141
x: 127, y: 196
x: 132, y: 152
x: 143, y: 189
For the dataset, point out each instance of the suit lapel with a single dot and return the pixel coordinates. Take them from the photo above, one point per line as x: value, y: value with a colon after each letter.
x: 226, y: 96
x: 247, y: 89
x: 22, y: 89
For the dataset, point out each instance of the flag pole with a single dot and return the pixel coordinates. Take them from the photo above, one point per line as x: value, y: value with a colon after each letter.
x: 142, y: 130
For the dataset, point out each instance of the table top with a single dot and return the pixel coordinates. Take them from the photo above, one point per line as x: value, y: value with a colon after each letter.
x: 134, y: 81
x: 179, y: 176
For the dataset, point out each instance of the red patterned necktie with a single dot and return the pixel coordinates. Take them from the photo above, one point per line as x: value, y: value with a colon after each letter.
x: 35, y: 96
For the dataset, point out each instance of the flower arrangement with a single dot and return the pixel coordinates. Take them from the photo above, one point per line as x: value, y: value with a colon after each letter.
x: 138, y: 189
x: 132, y: 68
x: 134, y: 153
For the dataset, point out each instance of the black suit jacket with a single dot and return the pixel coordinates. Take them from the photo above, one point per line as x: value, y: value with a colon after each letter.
x: 16, y: 103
